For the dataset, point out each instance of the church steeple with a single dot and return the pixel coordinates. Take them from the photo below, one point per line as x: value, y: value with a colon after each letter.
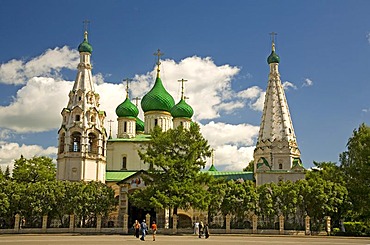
x: 276, y: 148
x: 82, y: 136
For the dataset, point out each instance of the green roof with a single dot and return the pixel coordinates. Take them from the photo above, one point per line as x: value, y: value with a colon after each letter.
x: 139, y: 125
x: 137, y: 138
x: 157, y: 99
x: 273, y: 58
x: 182, y: 109
x: 232, y: 175
x: 212, y: 168
x: 127, y: 109
x: 118, y: 175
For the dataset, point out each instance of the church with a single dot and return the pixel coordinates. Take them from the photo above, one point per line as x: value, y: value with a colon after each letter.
x: 87, y: 152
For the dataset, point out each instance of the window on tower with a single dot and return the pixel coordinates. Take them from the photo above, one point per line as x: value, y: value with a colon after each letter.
x: 76, y: 142
x: 93, y: 143
x: 124, y: 163
x: 78, y: 118
x: 61, y: 142
x: 155, y: 122
x: 125, y: 127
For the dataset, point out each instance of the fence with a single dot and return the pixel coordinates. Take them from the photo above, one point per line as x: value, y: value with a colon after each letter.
x: 255, y: 227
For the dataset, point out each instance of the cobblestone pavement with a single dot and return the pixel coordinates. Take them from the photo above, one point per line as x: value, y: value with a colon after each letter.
x: 176, y: 240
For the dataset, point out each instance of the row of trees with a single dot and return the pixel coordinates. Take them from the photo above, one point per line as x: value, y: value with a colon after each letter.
x: 174, y: 181
x: 33, y: 191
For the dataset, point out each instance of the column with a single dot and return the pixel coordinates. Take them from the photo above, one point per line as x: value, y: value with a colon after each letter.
x: 98, y: 222
x: 125, y: 223
x: 281, y: 224
x: 44, y: 223
x: 174, y: 228
x: 308, y: 228
x: 147, y: 219
x: 228, y: 219
x: 254, y: 222
x: 16, y: 223
x: 328, y: 225
x: 71, y: 222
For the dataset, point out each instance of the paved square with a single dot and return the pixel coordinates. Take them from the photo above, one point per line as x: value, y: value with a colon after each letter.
x: 70, y: 239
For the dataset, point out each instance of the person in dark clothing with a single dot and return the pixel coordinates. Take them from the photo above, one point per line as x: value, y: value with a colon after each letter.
x: 137, y: 228
x: 206, y: 231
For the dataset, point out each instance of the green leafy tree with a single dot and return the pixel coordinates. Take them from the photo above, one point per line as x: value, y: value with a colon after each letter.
x: 356, y: 165
x: 34, y: 169
x: 267, y: 203
x: 174, y: 179
x: 7, y: 173
x: 240, y: 199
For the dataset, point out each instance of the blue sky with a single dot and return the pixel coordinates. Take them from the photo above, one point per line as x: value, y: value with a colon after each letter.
x: 219, y: 46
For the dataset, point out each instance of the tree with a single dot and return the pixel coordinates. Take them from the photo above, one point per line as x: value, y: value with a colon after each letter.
x: 356, y: 165
x: 250, y: 167
x: 174, y: 180
x: 34, y: 169
x: 7, y: 173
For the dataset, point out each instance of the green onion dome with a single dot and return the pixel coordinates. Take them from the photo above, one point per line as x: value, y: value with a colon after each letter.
x: 127, y: 109
x: 273, y: 58
x: 157, y: 99
x: 182, y: 109
x: 139, y: 125
x: 85, y: 46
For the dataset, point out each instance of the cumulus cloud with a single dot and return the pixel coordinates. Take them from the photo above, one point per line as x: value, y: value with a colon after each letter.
x: 48, y: 64
x: 255, y: 97
x: 233, y: 144
x: 11, y: 151
x: 307, y: 82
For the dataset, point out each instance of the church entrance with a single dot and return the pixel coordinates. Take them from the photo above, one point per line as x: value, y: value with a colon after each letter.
x: 139, y: 214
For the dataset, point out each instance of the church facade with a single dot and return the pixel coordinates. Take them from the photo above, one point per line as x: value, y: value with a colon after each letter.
x: 87, y: 153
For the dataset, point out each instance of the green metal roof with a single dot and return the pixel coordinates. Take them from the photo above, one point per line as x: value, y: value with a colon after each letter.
x: 182, y: 109
x: 118, y: 175
x: 139, y: 125
x: 232, y: 175
x: 127, y: 109
x: 137, y: 138
x: 212, y: 168
x: 157, y: 99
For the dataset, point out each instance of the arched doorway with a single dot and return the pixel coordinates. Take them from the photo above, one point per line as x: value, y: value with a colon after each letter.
x: 184, y: 221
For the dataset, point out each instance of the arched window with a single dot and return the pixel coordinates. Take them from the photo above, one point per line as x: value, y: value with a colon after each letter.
x: 124, y: 163
x: 76, y: 142
x: 61, y: 142
x: 93, y: 143
x: 78, y: 118
x: 280, y: 166
x: 92, y: 119
x: 125, y: 127
x: 155, y: 122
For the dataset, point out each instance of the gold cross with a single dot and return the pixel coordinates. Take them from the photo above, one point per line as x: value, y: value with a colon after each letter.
x: 86, y: 24
x: 159, y: 54
x: 273, y: 35
x: 182, y: 87
x: 127, y: 82
x: 137, y: 100
x: 110, y: 128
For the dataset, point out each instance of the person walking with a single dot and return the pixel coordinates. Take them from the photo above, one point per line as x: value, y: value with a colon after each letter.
x: 196, y: 228
x: 137, y: 228
x: 200, y: 229
x: 144, y: 229
x: 154, y: 229
x: 206, y: 231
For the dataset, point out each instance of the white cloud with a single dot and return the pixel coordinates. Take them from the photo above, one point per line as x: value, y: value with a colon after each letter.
x: 206, y: 80
x: 37, y: 106
x: 255, y: 97
x: 11, y: 151
x: 50, y: 63
x: 287, y: 85
x: 307, y: 82
x: 233, y: 144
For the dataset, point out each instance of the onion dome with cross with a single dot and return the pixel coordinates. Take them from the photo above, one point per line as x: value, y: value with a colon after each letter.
x: 157, y: 99
x: 85, y: 46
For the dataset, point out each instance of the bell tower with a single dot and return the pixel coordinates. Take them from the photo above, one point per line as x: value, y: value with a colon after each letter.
x: 276, y: 156
x: 82, y: 136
